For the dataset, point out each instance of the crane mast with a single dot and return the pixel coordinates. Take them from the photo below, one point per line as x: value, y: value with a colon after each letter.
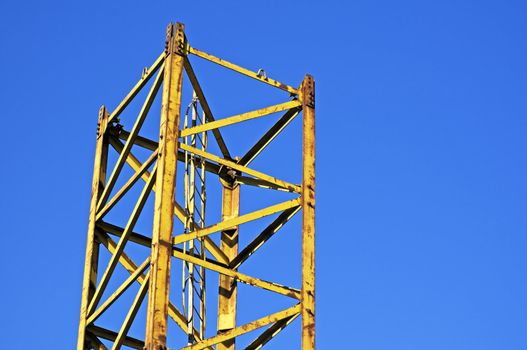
x: 128, y: 293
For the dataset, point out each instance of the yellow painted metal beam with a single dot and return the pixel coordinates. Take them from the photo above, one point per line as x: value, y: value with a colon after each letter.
x: 263, y: 237
x: 130, y: 142
x: 240, y: 168
x: 239, y: 118
x: 228, y: 290
x: 264, y: 321
x: 96, y: 343
x: 130, y: 316
x: 135, y: 90
x: 127, y: 186
x: 119, y: 291
x: 274, y: 287
x: 308, y: 214
x: 178, y: 210
x: 252, y: 181
x: 206, y: 108
x: 269, y: 136
x: 135, y: 163
x: 139, y: 140
x: 89, y: 282
x: 130, y: 266
x: 158, y: 296
x: 111, y: 335
x: 122, y: 242
x: 270, y: 333
x: 241, y: 70
x: 147, y: 242
x: 236, y: 221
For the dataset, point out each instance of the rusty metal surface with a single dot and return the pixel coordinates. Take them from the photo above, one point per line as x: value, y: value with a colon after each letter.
x: 195, y: 247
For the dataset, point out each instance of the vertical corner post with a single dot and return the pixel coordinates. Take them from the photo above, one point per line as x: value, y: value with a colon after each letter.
x: 307, y: 96
x: 228, y: 245
x: 158, y: 294
x: 89, y: 282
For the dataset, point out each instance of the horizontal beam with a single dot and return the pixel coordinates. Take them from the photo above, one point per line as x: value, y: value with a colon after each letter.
x: 241, y: 70
x: 152, y: 145
x: 178, y: 210
x: 290, y: 187
x: 251, y: 181
x: 242, y: 219
x: 135, y: 90
x: 147, y: 241
x: 264, y: 321
x: 118, y: 231
x: 139, y: 140
x: 273, y: 287
x: 239, y: 118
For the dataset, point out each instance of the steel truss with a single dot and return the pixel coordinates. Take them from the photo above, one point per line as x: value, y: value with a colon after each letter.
x: 194, y: 247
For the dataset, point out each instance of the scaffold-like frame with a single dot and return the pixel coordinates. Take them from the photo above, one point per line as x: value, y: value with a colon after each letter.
x: 158, y: 173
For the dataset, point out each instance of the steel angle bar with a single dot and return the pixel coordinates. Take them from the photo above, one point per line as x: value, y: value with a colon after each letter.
x: 130, y: 266
x: 236, y: 221
x: 158, y: 296
x: 270, y: 333
x: 239, y: 118
x: 127, y: 186
x: 206, y: 108
x: 115, y: 230
x: 96, y: 342
x: 274, y: 287
x: 135, y: 163
x: 308, y: 213
x: 269, y: 136
x: 130, y: 142
x: 249, y: 171
x: 89, y: 283
x: 258, y: 76
x: 264, y: 321
x: 111, y: 335
x: 130, y: 316
x: 135, y: 90
x: 122, y: 242
x: 178, y: 210
x: 139, y: 140
x: 252, y: 181
x: 119, y: 291
x: 263, y: 237
x: 147, y: 241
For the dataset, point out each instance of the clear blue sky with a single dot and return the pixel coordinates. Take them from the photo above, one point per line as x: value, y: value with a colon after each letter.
x: 421, y: 156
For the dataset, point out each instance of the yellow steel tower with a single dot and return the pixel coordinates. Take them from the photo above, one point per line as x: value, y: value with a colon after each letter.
x: 183, y: 142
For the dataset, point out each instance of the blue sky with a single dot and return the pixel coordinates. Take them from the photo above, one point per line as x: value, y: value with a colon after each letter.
x: 421, y: 226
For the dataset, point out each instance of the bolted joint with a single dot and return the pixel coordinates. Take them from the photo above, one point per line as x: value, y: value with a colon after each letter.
x: 102, y: 121
x: 181, y: 40
x: 176, y: 42
x: 115, y: 128
x: 308, y: 91
x: 228, y: 177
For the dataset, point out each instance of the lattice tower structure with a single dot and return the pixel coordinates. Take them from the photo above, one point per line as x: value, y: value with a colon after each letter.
x: 128, y: 274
